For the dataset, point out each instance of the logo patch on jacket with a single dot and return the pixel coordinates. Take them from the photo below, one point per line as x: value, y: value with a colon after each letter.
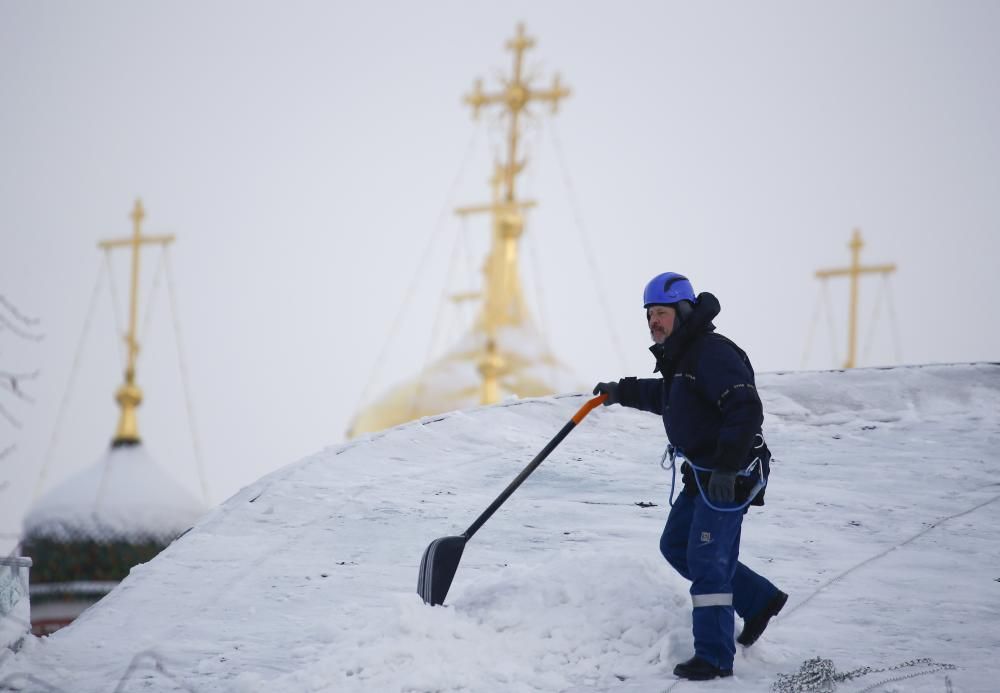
x: 706, y: 537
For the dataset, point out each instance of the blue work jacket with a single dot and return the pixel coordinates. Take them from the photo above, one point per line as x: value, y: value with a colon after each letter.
x: 707, y: 395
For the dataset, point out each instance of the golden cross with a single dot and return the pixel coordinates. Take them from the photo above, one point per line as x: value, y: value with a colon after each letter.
x: 515, y: 96
x: 129, y: 396
x: 854, y: 272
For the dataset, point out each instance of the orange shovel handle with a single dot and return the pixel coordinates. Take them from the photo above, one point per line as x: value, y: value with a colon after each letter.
x: 588, y: 407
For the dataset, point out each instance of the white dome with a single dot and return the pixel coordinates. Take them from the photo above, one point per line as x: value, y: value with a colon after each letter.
x: 124, y: 495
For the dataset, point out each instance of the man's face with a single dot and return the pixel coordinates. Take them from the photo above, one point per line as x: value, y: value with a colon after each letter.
x: 661, y: 322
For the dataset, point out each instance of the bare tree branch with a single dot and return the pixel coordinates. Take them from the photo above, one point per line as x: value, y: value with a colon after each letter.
x: 16, y: 322
x: 19, y: 331
x: 12, y: 383
x: 30, y: 322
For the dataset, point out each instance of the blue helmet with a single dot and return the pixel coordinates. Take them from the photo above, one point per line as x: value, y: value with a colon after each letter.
x: 667, y: 288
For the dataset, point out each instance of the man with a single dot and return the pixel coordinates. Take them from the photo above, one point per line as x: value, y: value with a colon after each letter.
x: 713, y: 416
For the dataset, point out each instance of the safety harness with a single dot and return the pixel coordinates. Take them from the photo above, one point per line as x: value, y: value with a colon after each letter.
x: 754, y: 469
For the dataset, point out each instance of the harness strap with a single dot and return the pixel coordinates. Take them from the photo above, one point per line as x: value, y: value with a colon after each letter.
x: 756, y: 465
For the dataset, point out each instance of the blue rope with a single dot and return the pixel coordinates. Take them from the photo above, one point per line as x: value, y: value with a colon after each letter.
x: 674, y: 453
x: 670, y: 451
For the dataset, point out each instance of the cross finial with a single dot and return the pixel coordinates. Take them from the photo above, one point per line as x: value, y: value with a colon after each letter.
x: 854, y: 272
x: 514, y: 97
x: 503, y: 302
x: 129, y: 395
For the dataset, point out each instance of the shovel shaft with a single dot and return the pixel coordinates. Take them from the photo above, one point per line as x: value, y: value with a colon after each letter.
x: 539, y: 458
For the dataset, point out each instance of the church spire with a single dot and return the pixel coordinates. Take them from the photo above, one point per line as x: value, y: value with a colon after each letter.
x: 129, y: 395
x: 504, y: 353
x: 503, y: 302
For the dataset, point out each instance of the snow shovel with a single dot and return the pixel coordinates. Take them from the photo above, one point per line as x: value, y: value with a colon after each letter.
x: 440, y: 561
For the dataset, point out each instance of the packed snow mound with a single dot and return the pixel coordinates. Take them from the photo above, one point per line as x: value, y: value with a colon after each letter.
x: 881, y: 523
x: 881, y: 394
x: 125, y: 494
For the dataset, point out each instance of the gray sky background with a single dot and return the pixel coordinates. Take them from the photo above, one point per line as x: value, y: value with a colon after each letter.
x: 307, y: 154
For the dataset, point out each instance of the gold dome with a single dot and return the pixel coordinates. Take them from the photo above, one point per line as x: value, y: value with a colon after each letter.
x: 524, y: 367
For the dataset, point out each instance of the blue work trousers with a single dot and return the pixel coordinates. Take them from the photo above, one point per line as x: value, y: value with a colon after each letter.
x: 703, y: 545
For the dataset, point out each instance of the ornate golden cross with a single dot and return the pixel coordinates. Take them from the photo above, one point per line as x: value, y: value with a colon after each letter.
x: 515, y: 96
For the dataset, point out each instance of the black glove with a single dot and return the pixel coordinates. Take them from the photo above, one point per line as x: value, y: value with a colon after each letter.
x: 609, y: 389
x: 722, y: 487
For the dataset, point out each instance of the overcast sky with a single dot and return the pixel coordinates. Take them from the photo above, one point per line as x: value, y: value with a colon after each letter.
x: 307, y: 154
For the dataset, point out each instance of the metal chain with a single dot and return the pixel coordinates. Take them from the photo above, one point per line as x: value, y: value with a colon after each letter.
x: 925, y: 661
x: 818, y: 675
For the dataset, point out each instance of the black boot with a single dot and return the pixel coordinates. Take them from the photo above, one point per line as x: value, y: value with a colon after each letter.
x: 697, y: 669
x: 754, y: 627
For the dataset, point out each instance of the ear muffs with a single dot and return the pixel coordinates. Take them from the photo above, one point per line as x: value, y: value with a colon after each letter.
x: 683, y: 310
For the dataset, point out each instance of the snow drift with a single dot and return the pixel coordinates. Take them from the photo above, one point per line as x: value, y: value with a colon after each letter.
x: 881, y: 523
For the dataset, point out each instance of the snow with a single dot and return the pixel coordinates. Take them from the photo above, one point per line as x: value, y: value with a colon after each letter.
x: 881, y: 523
x: 124, y: 494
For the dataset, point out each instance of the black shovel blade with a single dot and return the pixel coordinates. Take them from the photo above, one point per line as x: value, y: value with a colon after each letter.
x: 437, y: 568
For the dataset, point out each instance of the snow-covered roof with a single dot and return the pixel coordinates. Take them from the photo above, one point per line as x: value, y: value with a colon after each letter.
x: 124, y: 495
x: 881, y: 523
